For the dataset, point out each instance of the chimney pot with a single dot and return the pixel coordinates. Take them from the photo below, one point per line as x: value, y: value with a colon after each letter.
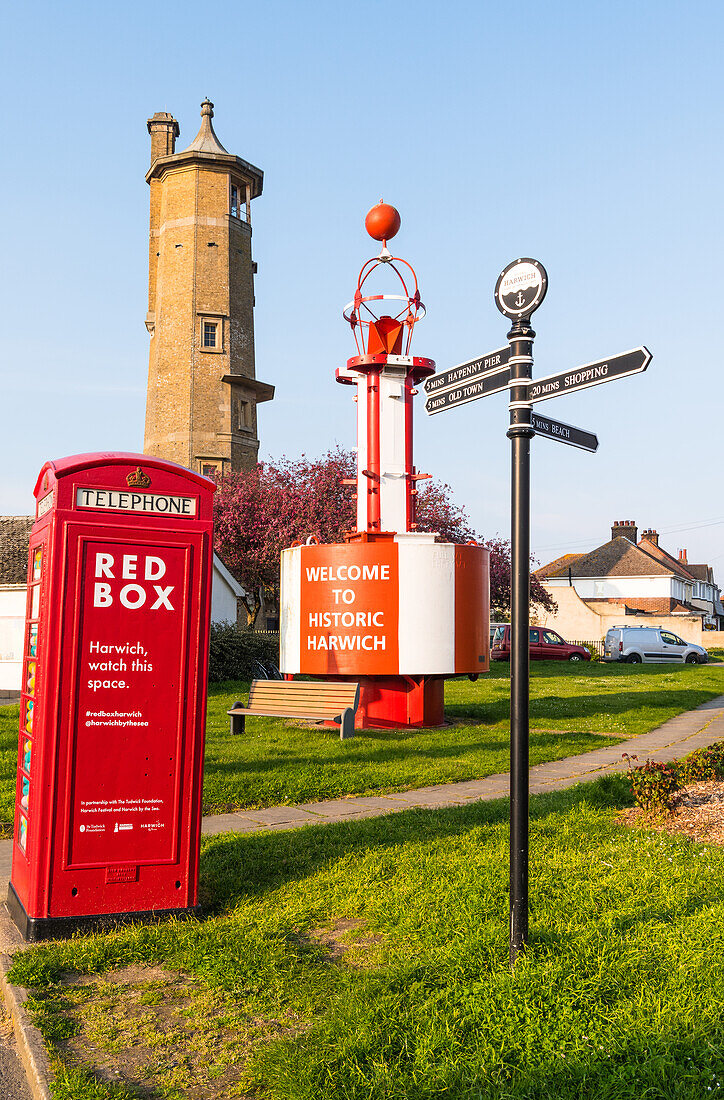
x: 625, y: 528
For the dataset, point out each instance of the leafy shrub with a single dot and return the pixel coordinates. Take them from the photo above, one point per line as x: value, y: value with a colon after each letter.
x: 234, y: 653
x: 653, y: 784
x: 705, y: 763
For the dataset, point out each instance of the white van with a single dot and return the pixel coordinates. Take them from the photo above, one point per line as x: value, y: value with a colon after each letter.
x: 650, y: 644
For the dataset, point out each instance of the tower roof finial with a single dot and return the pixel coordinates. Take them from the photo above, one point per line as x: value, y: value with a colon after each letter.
x: 206, y: 140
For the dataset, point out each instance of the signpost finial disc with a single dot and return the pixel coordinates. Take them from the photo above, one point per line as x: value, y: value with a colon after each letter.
x: 520, y: 289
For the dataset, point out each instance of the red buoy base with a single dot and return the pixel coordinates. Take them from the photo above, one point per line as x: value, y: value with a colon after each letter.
x: 401, y: 702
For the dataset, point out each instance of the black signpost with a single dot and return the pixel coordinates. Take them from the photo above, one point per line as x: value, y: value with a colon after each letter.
x: 520, y: 289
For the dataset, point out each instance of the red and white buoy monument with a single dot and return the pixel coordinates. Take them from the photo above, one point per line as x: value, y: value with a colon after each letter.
x: 391, y: 607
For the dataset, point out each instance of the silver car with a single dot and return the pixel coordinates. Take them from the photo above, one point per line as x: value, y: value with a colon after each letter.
x: 650, y: 645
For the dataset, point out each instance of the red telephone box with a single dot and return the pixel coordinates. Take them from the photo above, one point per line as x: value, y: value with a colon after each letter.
x: 110, y: 762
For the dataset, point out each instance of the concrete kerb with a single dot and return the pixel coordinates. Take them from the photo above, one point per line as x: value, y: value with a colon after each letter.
x: 30, y: 1043
x: 678, y: 737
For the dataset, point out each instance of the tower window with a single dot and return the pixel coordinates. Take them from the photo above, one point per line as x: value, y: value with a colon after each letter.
x: 211, y: 332
x: 210, y: 466
x: 235, y: 201
x: 241, y: 415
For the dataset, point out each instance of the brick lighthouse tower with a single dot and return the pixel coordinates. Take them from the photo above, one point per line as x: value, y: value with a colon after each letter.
x: 202, y: 387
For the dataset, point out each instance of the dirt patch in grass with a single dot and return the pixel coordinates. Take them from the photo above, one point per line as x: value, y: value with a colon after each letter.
x: 697, y: 811
x: 344, y: 940
x: 158, y: 1033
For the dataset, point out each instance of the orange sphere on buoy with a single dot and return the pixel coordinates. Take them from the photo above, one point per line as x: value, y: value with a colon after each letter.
x: 382, y: 222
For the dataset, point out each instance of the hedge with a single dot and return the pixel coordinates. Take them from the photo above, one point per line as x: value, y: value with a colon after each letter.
x: 234, y: 654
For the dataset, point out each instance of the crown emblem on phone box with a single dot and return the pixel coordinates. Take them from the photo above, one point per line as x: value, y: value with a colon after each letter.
x: 137, y: 479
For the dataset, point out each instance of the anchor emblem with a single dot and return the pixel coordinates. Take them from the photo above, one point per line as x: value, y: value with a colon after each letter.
x: 520, y: 300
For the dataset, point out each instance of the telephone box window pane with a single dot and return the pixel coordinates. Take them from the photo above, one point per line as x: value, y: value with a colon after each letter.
x: 35, y: 601
x: 209, y: 334
x: 33, y: 640
x: 25, y: 793
x: 29, y: 707
x: 37, y: 564
x: 23, y: 833
x: 27, y: 754
x: 30, y: 682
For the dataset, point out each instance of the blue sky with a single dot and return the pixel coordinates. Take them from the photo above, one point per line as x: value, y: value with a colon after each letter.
x: 587, y: 136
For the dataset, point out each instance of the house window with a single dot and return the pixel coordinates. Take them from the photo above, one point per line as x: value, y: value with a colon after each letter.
x: 235, y: 201
x: 209, y: 334
x: 209, y: 469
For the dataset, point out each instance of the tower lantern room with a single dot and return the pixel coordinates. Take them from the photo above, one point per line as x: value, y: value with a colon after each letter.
x: 201, y: 408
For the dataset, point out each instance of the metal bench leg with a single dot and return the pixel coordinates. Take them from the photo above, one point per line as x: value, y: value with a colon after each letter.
x: 346, y: 726
x: 238, y: 721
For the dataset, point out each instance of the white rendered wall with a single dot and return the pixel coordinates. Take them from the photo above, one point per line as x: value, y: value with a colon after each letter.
x: 223, y: 599
x: 605, y: 587
x: 12, y: 634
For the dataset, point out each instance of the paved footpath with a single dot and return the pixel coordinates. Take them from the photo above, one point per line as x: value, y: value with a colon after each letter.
x: 676, y: 738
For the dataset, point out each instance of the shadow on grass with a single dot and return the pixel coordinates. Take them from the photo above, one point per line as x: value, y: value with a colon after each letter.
x: 606, y: 670
x: 585, y: 706
x: 237, y: 866
x: 381, y: 756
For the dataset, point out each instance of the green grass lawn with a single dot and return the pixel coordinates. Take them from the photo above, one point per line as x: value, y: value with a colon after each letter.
x: 277, y: 762
x: 369, y: 960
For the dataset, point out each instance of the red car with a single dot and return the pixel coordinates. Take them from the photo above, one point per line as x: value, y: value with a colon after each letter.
x: 545, y: 645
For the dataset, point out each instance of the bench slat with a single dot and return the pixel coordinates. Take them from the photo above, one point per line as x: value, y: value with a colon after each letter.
x: 304, y: 699
x: 301, y: 697
x: 329, y: 700
x: 307, y: 689
x: 284, y: 714
x: 276, y: 705
x: 291, y: 711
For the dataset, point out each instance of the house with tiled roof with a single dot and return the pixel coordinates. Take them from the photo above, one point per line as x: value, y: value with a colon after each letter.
x: 631, y: 580
x: 705, y: 595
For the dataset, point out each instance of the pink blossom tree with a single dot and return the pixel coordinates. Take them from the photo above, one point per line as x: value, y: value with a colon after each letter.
x: 259, y: 512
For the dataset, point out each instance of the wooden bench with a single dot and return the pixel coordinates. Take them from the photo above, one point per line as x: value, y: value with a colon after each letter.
x: 314, y: 700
